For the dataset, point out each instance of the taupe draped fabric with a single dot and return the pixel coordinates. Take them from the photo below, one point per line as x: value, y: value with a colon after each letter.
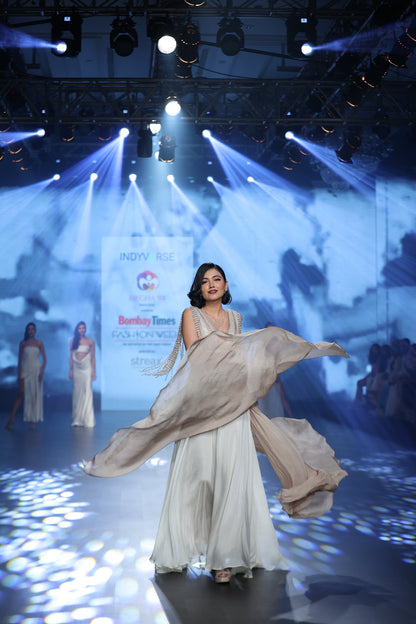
x: 219, y: 378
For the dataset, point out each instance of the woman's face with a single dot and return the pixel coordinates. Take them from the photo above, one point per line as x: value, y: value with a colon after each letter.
x: 213, y: 285
x: 31, y: 331
x: 82, y: 330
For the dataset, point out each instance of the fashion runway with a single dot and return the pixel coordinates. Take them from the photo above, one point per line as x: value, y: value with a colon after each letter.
x: 74, y: 548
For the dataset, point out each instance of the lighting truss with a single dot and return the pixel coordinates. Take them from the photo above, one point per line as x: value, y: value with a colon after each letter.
x: 250, y: 8
x: 215, y: 102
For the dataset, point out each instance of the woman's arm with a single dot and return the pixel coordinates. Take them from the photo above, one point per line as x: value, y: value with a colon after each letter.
x: 42, y: 351
x: 70, y: 358
x: 94, y: 376
x: 189, y: 332
x: 19, y: 361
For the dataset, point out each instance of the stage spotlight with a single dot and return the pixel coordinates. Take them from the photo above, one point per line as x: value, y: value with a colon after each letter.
x: 132, y: 177
x: 124, y: 132
x: 93, y: 177
x: 377, y: 70
x: 104, y: 132
x: 66, y: 29
x: 67, y: 133
x: 61, y: 48
x: 403, y: 48
x: 41, y: 132
x: 183, y: 70
x: 258, y: 134
x: 351, y: 145
x: 195, y: 3
x: 206, y: 133
x: 172, y: 107
x: 163, y: 34
x: 356, y: 92
x: 56, y: 177
x: 382, y: 126
x: 289, y: 135
x: 250, y: 179
x: 167, y: 146
x: 123, y: 36
x: 144, y: 143
x: 170, y: 178
x: 300, y: 30
x: 210, y: 179
x: 230, y: 36
x: 154, y: 127
x: 306, y: 49
x: 188, y: 44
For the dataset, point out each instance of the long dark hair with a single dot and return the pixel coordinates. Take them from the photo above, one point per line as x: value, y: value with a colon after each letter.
x: 26, y: 336
x: 194, y: 294
x: 77, y: 337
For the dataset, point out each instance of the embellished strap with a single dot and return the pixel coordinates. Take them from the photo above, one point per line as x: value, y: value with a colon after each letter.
x: 166, y: 366
x: 196, y: 320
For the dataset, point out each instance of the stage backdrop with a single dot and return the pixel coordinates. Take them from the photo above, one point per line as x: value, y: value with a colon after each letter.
x: 144, y: 281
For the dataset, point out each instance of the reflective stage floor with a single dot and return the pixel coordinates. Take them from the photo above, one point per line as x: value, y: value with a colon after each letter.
x: 75, y: 548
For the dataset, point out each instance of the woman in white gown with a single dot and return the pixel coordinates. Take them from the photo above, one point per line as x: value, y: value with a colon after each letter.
x: 30, y: 370
x: 215, y: 509
x: 82, y: 373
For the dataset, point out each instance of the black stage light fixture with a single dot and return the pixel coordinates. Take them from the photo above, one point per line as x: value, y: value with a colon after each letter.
x: 123, y: 36
x: 183, y: 70
x: 351, y: 145
x: 195, y: 3
x: 67, y: 133
x: 300, y: 29
x: 230, y: 36
x: 187, y: 50
x: 163, y: 33
x: 377, y: 70
x: 403, y: 48
x: 144, y: 143
x: 382, y: 124
x: 356, y: 92
x: 167, y: 146
x: 66, y: 28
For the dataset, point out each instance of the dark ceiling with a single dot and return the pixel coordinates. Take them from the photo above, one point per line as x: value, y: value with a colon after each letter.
x: 249, y: 98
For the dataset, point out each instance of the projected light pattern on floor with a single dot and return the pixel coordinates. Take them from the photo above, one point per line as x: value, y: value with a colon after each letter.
x: 316, y: 541
x: 58, y: 566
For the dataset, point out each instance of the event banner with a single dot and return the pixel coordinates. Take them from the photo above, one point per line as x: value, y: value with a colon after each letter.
x: 144, y: 282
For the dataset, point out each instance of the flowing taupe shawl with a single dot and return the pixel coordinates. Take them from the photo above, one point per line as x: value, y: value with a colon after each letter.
x: 220, y: 377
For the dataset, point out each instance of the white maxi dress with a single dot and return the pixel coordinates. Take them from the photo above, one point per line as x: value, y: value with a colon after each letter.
x: 215, y: 510
x: 82, y: 403
x: 33, y: 388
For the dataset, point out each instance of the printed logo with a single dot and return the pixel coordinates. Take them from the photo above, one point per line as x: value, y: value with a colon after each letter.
x: 147, y: 281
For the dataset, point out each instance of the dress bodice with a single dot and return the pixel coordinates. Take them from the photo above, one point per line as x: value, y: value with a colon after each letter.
x: 204, y: 325
x: 83, y: 348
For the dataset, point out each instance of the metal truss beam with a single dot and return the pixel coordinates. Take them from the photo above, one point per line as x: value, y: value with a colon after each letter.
x: 29, y: 100
x: 241, y: 8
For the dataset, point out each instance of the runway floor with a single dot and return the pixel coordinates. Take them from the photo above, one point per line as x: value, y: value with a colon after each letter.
x: 74, y: 549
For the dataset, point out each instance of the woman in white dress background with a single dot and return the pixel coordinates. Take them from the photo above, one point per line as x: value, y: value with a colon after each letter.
x: 30, y: 370
x: 82, y: 374
x: 215, y: 510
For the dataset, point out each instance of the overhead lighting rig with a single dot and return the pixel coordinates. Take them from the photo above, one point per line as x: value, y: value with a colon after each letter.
x: 66, y: 33
x: 230, y: 36
x: 123, y: 36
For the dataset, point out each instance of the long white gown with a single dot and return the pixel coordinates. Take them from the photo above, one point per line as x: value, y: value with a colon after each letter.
x: 82, y: 404
x: 215, y: 509
x: 33, y: 397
